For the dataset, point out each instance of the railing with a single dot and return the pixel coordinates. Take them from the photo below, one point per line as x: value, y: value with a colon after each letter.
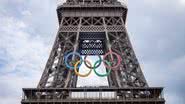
x: 123, y: 94
x: 87, y: 4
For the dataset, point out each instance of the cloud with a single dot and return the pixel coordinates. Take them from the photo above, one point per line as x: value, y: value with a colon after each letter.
x: 157, y: 36
x: 20, y: 47
x: 23, y: 50
x: 182, y: 2
x: 28, y: 29
x: 22, y: 59
x: 26, y: 13
x: 12, y: 85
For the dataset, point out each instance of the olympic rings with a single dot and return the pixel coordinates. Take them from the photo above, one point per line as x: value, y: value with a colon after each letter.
x: 82, y: 75
x: 75, y: 64
x: 102, y: 75
x: 118, y: 57
x: 94, y: 67
x: 66, y: 58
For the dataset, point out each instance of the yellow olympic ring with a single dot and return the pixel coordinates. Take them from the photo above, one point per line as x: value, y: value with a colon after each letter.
x: 82, y: 75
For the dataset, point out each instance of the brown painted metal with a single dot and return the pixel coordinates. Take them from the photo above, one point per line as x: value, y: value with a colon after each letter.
x: 106, y: 16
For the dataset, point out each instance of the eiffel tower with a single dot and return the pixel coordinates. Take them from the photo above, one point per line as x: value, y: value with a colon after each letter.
x: 92, y: 30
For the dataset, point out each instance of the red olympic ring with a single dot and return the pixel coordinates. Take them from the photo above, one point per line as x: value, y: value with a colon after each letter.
x: 118, y: 62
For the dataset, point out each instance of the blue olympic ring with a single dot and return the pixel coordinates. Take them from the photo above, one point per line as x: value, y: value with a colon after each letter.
x: 66, y: 58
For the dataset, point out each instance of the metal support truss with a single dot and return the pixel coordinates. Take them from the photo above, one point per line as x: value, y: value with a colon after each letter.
x: 131, y: 96
x: 72, y: 2
x: 107, y: 17
x: 130, y: 74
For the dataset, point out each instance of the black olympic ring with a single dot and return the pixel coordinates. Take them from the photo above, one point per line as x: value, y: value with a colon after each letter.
x: 93, y: 67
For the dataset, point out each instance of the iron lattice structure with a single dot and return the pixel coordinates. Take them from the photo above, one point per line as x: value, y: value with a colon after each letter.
x: 80, y: 23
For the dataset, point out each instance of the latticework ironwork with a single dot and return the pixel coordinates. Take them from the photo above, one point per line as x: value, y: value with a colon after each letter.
x: 92, y: 27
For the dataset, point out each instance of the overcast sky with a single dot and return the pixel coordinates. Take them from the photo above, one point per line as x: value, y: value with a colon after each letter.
x: 28, y: 28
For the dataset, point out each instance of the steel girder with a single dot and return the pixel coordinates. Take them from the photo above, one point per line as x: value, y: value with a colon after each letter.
x: 132, y: 95
x: 107, y: 16
x: 72, y: 2
x: 129, y: 74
